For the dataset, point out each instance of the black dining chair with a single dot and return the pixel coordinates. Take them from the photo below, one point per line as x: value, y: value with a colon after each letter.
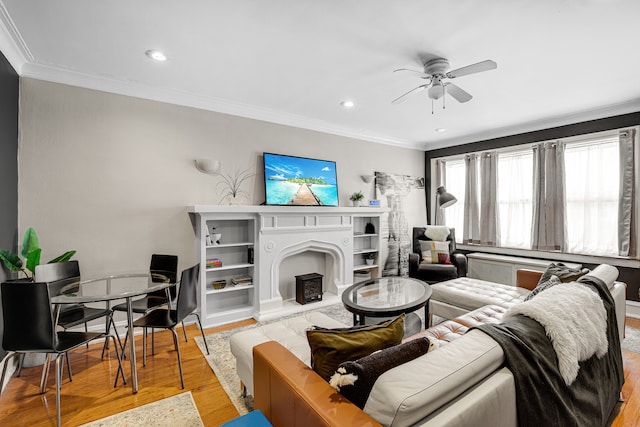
x: 29, y: 327
x: 64, y: 277
x: 163, y: 269
x: 165, y: 318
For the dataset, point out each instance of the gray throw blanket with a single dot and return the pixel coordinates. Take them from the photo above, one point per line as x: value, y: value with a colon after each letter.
x: 542, y: 397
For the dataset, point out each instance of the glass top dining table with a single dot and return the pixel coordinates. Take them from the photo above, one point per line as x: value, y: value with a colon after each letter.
x: 125, y: 286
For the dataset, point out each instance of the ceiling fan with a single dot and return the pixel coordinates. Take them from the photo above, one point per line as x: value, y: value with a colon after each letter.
x: 436, y: 71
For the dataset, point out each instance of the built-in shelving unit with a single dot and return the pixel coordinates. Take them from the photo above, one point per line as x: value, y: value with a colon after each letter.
x: 366, y: 244
x: 234, y: 252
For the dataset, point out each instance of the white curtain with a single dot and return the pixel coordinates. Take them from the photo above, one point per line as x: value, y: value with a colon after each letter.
x: 471, y: 229
x: 515, y: 191
x: 549, y: 220
x: 441, y: 180
x: 592, y: 197
x: 489, y: 210
x: 627, y: 200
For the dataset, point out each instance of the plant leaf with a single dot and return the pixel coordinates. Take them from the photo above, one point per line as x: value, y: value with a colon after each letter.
x: 30, y: 242
x: 63, y: 258
x: 33, y: 260
x: 11, y: 260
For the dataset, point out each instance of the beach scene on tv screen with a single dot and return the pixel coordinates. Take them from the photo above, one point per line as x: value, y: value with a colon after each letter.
x: 300, y: 181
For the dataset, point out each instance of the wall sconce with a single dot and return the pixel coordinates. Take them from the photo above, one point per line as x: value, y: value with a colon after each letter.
x: 208, y: 166
x: 367, y: 178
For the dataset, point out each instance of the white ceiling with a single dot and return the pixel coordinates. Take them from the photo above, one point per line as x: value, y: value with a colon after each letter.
x: 294, y: 61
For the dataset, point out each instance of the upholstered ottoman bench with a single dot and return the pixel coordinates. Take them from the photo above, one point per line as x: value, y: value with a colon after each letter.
x: 456, y: 297
x: 291, y: 333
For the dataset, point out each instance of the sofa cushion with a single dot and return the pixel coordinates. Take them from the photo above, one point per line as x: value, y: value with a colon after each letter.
x: 331, y: 347
x: 404, y: 395
x: 355, y: 379
x: 562, y: 272
x: 434, y: 252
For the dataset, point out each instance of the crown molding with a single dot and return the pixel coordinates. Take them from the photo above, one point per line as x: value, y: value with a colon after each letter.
x: 632, y: 106
x: 109, y: 84
x: 12, y: 45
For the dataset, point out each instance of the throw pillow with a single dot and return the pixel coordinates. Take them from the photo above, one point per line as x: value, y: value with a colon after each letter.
x: 562, y: 272
x: 434, y: 252
x: 355, y: 379
x: 331, y: 347
x: 436, y: 232
x: 543, y: 286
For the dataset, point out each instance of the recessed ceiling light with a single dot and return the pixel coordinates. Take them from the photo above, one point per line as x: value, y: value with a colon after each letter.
x: 441, y: 130
x: 348, y: 103
x: 156, y: 54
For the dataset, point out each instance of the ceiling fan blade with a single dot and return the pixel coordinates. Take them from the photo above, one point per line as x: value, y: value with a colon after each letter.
x: 403, y: 96
x: 473, y: 68
x: 421, y: 73
x: 458, y: 94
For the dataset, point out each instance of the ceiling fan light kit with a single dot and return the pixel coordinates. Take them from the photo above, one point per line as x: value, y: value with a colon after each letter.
x: 435, y: 71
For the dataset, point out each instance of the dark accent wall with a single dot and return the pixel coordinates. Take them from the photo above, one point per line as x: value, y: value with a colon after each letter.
x: 9, y: 89
x: 631, y: 276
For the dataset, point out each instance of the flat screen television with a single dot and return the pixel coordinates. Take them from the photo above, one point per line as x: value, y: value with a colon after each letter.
x: 299, y: 181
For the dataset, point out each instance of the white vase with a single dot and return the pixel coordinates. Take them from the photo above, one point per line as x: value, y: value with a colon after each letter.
x: 356, y: 203
x: 369, y: 261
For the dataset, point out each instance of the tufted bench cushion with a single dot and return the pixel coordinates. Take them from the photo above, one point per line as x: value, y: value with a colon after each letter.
x: 456, y: 297
x: 449, y: 330
x: 291, y: 333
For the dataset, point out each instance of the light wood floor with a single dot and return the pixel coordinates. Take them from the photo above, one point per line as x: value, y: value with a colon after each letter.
x: 91, y: 394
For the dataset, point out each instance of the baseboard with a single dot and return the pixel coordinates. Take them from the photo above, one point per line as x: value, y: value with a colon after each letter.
x: 633, y: 309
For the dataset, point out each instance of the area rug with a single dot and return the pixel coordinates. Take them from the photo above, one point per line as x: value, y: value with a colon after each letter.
x: 631, y: 340
x: 178, y: 410
x: 223, y: 363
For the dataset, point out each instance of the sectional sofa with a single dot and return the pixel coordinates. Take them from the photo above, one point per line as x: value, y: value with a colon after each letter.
x: 465, y: 382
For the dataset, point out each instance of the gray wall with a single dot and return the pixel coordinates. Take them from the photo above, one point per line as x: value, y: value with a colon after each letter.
x: 111, y: 176
x: 9, y: 85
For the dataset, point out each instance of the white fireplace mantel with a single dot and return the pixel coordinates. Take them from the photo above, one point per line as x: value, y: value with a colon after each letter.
x: 278, y: 232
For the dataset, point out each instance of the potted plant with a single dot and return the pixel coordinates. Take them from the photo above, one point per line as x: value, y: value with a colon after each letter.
x: 230, y: 186
x: 31, y: 253
x: 369, y: 257
x: 356, y: 197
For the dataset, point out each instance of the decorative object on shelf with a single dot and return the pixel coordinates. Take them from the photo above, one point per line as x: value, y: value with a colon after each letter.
x: 445, y: 199
x: 219, y: 284
x: 208, y: 166
x: 213, y: 238
x: 250, y: 255
x: 214, y: 263
x: 374, y: 203
x: 31, y: 252
x: 241, y: 280
x: 369, y: 257
x: 369, y: 229
x: 356, y: 198
x: 367, y: 178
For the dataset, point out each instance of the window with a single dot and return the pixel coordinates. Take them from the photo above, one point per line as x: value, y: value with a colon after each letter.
x: 515, y: 193
x: 592, y: 173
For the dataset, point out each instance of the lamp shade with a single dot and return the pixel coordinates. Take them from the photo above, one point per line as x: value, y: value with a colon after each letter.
x: 445, y: 199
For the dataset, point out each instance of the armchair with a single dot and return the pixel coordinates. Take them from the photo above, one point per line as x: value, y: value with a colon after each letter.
x: 435, y: 272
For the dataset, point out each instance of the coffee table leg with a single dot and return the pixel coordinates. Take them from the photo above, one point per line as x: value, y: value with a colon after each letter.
x: 426, y: 316
x: 355, y: 320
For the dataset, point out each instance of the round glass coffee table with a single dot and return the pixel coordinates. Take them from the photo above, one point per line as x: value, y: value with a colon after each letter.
x: 389, y: 297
